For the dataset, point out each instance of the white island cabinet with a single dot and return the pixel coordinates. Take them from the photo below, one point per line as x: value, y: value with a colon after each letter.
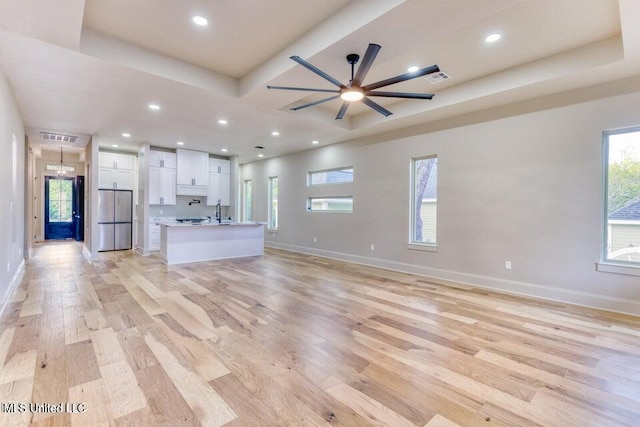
x: 182, y: 243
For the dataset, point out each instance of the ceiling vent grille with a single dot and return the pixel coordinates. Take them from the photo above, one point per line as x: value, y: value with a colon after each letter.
x: 56, y: 137
x: 437, y: 77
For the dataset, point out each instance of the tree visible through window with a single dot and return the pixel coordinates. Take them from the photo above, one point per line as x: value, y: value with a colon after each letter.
x: 622, y: 228
x: 424, y: 200
x: 60, y: 200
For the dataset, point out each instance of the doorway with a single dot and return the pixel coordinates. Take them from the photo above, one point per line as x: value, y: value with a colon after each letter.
x: 63, y: 208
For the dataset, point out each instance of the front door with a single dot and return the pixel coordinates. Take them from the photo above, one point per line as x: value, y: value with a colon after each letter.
x: 59, y: 202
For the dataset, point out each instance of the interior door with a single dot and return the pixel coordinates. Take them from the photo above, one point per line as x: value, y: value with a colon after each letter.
x: 59, y: 202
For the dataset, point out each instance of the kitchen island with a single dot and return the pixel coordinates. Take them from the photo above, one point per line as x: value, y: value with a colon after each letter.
x: 182, y: 243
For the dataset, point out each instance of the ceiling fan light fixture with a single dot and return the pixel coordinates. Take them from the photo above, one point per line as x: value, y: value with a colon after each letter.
x: 352, y: 94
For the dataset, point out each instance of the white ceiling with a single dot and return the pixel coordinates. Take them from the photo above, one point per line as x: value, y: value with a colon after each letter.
x: 91, y: 67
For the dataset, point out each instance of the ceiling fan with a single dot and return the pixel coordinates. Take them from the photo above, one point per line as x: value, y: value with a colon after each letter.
x: 356, y: 91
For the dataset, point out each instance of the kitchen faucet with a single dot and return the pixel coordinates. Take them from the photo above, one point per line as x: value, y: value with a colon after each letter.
x: 218, y: 212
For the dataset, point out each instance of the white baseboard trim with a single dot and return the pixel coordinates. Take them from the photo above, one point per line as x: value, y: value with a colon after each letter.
x: 87, y: 254
x: 513, y: 287
x: 142, y: 251
x: 17, y: 277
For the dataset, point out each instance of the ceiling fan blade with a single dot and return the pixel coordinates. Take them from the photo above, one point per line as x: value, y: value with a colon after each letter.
x: 343, y: 110
x: 365, y: 65
x: 316, y: 70
x: 307, y: 89
x: 310, y: 104
x: 401, y: 78
x: 379, y: 108
x: 407, y: 95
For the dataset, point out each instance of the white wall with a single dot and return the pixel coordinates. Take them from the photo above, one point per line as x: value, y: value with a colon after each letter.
x: 526, y: 188
x: 12, y: 176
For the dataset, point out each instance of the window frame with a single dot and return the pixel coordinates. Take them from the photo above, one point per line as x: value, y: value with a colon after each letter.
x: 311, y: 173
x: 271, y: 224
x: 247, y: 202
x: 310, y: 200
x: 607, y: 264
x: 412, y: 243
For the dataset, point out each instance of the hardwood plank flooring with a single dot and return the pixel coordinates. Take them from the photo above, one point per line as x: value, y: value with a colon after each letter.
x: 292, y: 339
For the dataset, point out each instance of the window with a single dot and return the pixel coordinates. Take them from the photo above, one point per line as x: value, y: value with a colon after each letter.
x: 424, y: 200
x: 622, y: 196
x: 331, y: 204
x: 272, y: 221
x: 331, y: 176
x: 60, y: 199
x: 246, y: 213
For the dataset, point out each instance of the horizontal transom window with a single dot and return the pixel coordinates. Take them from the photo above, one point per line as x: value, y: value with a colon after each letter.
x: 331, y: 204
x: 331, y: 176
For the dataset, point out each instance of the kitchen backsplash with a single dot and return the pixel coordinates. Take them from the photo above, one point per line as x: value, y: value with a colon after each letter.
x: 182, y: 209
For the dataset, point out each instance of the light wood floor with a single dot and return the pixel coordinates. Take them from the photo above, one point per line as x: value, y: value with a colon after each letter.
x: 289, y: 339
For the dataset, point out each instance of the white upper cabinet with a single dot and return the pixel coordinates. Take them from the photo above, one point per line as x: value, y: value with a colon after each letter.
x: 219, y: 182
x: 219, y: 165
x: 115, y: 171
x: 115, y: 160
x: 162, y: 186
x: 162, y: 159
x: 192, y: 172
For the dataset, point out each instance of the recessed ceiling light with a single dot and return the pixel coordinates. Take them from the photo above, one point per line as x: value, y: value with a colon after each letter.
x: 114, y: 145
x: 491, y: 38
x: 222, y: 122
x: 413, y: 69
x: 260, y: 155
x: 180, y: 143
x: 275, y: 133
x: 224, y: 150
x: 154, y: 107
x: 126, y: 135
x: 315, y: 142
x: 200, y: 20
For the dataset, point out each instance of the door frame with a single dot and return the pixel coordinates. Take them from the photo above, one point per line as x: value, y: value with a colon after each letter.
x: 77, y: 206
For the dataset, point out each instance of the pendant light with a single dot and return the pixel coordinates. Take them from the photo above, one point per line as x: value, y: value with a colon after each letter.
x: 61, y: 170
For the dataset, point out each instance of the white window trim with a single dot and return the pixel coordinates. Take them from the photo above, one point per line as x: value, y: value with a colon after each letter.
x: 616, y: 268
x: 418, y: 246
x: 605, y: 264
x: 270, y: 202
x: 309, y: 202
x: 309, y: 184
x: 426, y: 247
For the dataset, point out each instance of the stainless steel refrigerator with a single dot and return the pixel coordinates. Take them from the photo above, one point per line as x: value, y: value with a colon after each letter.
x: 114, y: 219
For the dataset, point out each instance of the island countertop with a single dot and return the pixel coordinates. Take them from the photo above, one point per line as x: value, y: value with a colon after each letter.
x: 211, y: 224
x: 193, y: 242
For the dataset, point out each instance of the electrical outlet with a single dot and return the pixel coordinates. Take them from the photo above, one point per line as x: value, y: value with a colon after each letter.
x: 507, y: 265
x: 315, y: 240
x: 8, y: 267
x: 19, y: 251
x: 373, y: 247
x: 161, y: 212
